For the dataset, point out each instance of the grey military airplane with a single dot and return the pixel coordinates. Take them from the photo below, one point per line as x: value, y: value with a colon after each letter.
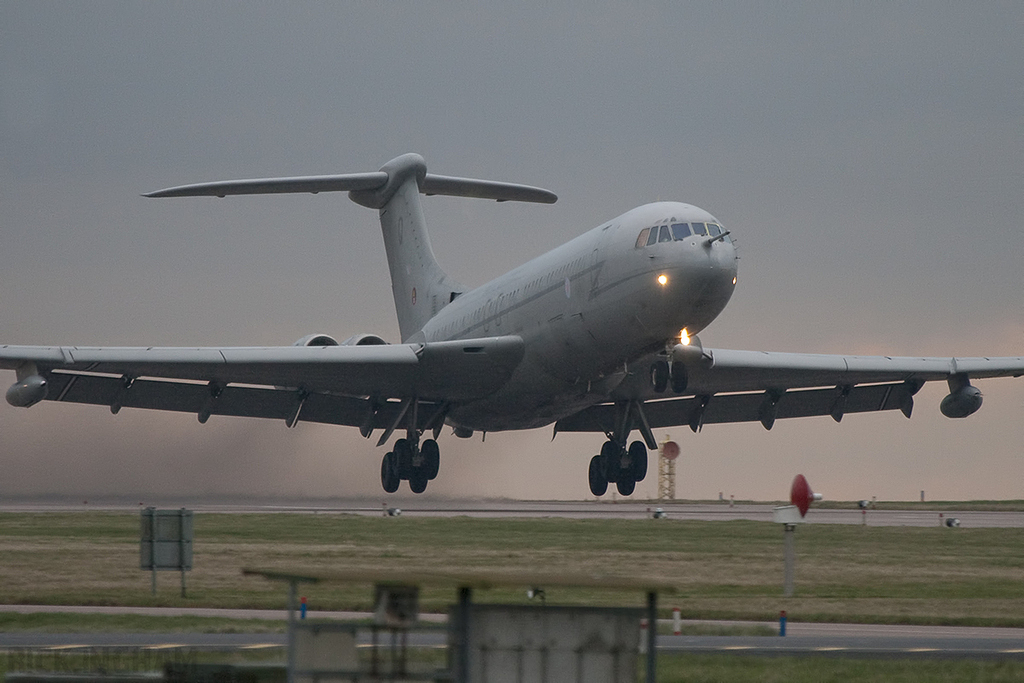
x: 597, y: 335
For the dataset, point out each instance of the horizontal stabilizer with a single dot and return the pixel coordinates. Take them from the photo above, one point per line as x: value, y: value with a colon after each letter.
x: 376, y: 183
x: 485, y: 189
x: 314, y: 183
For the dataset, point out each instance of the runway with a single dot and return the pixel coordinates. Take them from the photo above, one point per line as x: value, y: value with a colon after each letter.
x: 426, y: 507
x: 803, y: 639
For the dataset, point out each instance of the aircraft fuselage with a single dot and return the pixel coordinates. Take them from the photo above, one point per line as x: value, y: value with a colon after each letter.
x: 587, y: 310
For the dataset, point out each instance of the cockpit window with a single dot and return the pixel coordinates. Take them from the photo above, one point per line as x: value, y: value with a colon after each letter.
x: 653, y: 237
x: 641, y: 241
x: 699, y: 229
x: 680, y: 230
x: 714, y: 229
x: 666, y: 234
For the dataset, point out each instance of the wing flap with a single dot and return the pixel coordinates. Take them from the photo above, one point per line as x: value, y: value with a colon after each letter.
x: 728, y: 370
x: 746, y: 407
x: 232, y: 401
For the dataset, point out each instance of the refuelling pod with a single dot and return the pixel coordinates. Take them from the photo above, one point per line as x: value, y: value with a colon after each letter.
x: 27, y: 391
x: 963, y: 399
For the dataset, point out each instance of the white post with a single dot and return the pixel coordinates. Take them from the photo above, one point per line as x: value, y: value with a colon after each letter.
x: 790, y: 560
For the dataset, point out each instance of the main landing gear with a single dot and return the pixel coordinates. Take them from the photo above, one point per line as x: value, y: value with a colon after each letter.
x: 623, y: 466
x: 410, y: 461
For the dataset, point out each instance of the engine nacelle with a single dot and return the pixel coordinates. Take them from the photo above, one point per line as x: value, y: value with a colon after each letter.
x: 363, y: 340
x: 961, y: 402
x: 28, y: 391
x: 317, y: 340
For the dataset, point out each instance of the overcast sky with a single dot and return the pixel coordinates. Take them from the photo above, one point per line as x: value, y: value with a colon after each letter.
x: 868, y: 157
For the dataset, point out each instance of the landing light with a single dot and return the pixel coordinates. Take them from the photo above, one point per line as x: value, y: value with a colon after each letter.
x: 663, y: 280
x: 684, y: 337
x: 734, y: 280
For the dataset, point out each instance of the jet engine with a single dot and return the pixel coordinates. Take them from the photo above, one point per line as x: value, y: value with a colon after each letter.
x: 363, y: 340
x: 328, y: 340
x: 317, y: 340
x: 961, y: 402
x: 27, y: 392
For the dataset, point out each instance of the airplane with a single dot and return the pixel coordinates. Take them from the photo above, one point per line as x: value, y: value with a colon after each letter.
x: 598, y: 335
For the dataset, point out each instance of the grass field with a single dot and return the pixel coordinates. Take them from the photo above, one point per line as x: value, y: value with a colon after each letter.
x: 721, y: 570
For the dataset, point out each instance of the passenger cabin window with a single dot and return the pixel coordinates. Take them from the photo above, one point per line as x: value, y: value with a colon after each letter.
x: 680, y: 230
x: 641, y: 241
x: 666, y: 234
x: 699, y: 229
x: 714, y: 230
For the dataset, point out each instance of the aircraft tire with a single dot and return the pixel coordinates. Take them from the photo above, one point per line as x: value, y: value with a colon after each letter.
x: 418, y: 482
x: 626, y: 486
x: 659, y: 376
x: 598, y: 482
x: 679, y: 377
x: 403, y: 459
x: 611, y: 460
x: 388, y: 473
x: 638, y: 460
x: 431, y: 458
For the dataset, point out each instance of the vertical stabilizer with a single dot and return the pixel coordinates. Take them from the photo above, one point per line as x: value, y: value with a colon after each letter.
x: 420, y: 287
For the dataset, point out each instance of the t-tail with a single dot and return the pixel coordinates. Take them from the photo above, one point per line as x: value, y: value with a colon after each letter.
x: 420, y: 287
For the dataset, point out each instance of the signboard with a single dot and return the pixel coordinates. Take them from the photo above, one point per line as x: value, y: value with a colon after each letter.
x: 166, y: 539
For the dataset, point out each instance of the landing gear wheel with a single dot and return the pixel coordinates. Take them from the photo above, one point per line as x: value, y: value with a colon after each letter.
x: 626, y: 486
x: 418, y: 482
x: 659, y: 376
x: 403, y: 458
x: 598, y: 482
x: 611, y: 460
x: 679, y: 377
x: 431, y: 458
x: 389, y: 473
x: 638, y: 460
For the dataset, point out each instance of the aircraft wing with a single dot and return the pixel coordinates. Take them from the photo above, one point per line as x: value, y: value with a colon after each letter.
x: 335, y: 384
x: 724, y: 385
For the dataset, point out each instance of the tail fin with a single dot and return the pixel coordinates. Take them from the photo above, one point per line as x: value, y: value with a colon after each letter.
x: 419, y: 285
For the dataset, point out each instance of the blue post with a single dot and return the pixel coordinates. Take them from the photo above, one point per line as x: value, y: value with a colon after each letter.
x: 302, y: 609
x: 782, y: 623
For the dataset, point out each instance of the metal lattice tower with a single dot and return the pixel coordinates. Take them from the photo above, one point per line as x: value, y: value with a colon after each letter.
x: 666, y: 473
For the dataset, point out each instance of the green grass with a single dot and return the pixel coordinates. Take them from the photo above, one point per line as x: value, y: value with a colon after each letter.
x: 695, y: 668
x: 720, y: 570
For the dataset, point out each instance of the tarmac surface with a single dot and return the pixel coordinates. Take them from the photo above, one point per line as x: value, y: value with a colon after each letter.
x: 425, y: 507
x: 847, y: 640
